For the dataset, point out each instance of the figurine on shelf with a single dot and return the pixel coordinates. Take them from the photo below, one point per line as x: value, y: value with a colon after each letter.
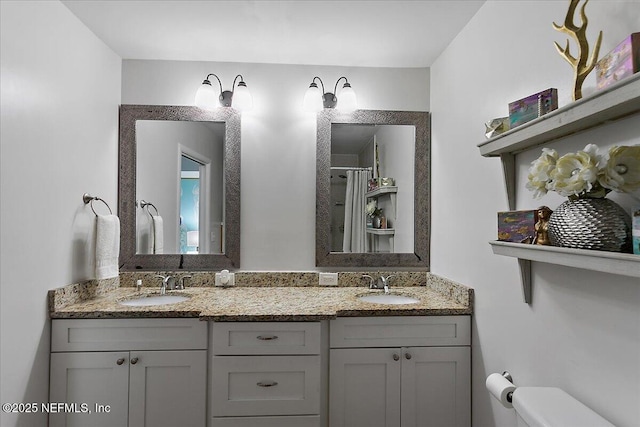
x: 495, y: 127
x: 542, y: 226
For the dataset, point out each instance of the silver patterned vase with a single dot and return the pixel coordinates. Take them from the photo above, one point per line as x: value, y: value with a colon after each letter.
x: 598, y: 224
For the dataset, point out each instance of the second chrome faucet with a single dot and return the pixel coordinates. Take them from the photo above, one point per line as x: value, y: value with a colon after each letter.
x: 169, y: 282
x: 381, y: 283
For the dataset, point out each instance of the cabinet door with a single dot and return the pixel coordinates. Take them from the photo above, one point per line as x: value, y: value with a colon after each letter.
x: 167, y: 388
x: 364, y: 387
x: 436, y: 387
x: 92, y: 379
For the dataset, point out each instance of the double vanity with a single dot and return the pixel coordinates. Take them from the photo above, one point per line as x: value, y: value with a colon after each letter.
x: 256, y: 355
x: 276, y: 349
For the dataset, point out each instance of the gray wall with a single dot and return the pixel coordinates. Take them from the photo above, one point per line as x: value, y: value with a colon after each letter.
x: 60, y: 96
x: 582, y: 332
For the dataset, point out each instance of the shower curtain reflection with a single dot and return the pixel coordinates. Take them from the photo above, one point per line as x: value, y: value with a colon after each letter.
x: 354, y: 212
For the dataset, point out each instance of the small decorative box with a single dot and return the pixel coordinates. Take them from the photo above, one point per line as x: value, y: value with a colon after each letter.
x: 526, y: 109
x: 621, y: 62
x: 387, y: 182
x: 373, y: 184
x: 636, y: 231
x: 516, y: 226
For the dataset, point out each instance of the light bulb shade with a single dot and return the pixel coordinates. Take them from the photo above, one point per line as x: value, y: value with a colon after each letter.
x: 312, y: 99
x: 207, y: 96
x: 347, y: 100
x: 242, y: 99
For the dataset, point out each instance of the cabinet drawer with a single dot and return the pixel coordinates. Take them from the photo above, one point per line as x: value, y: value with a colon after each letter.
x: 248, y: 338
x: 265, y: 385
x: 127, y: 334
x: 290, y: 421
x: 400, y: 331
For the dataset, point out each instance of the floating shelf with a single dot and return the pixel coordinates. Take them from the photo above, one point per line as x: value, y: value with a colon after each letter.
x: 612, y: 103
x: 607, y: 262
x: 615, y: 102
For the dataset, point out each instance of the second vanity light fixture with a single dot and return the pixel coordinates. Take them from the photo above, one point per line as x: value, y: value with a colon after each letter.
x: 238, y: 97
x: 315, y: 100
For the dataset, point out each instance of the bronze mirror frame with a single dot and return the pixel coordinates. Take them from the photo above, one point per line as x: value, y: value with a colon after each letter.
x: 422, y: 190
x: 129, y: 259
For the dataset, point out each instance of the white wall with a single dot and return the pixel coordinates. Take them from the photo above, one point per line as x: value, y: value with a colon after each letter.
x: 582, y: 331
x: 278, y: 141
x: 60, y: 96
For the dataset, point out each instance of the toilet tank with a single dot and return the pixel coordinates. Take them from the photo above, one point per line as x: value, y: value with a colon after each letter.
x: 553, y: 407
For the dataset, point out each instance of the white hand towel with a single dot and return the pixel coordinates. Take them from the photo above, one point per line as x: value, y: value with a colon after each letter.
x: 158, y: 234
x: 107, y: 246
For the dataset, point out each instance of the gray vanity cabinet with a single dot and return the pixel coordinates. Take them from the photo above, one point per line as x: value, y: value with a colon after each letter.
x: 129, y: 372
x: 400, y: 372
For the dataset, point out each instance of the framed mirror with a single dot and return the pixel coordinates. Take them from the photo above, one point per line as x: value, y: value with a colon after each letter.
x: 179, y: 188
x: 373, y: 189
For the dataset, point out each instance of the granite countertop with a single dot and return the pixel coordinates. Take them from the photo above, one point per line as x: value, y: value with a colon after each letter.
x: 287, y: 303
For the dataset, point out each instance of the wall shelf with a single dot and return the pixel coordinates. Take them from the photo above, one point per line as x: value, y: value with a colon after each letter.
x: 613, y: 103
x: 382, y: 190
x: 381, y: 231
x: 607, y: 262
x: 374, y: 233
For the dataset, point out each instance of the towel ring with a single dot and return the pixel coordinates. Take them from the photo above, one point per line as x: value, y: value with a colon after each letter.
x: 88, y: 199
x: 144, y: 204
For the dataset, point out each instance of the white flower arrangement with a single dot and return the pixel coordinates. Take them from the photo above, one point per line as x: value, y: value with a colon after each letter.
x: 586, y: 173
x: 372, y: 208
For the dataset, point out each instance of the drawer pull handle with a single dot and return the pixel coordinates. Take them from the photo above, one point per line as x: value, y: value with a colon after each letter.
x: 267, y: 384
x: 407, y: 356
x: 134, y: 360
x: 120, y: 361
x: 267, y: 337
x: 396, y: 357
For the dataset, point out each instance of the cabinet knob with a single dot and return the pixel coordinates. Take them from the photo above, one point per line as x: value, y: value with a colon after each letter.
x: 120, y: 361
x: 267, y: 337
x: 396, y: 356
x: 134, y: 360
x: 407, y: 356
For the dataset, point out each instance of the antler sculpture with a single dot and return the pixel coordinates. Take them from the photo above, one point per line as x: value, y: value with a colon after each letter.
x: 582, y: 65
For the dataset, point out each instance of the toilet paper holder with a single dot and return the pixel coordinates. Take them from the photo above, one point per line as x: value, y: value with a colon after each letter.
x: 509, y: 378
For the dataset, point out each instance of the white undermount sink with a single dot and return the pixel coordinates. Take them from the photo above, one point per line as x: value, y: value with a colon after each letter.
x: 388, y: 299
x: 154, y: 300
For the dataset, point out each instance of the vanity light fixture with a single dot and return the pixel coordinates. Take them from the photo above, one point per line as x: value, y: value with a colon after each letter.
x: 315, y: 100
x: 238, y: 97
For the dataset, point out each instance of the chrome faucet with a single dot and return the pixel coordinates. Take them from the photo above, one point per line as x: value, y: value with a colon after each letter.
x: 168, y: 282
x: 382, y: 283
x: 371, y: 283
x: 385, y: 282
x: 181, y: 284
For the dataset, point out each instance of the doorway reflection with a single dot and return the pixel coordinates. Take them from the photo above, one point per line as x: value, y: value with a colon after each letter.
x: 190, y: 191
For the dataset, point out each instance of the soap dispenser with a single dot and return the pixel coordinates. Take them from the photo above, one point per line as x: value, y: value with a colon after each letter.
x: 225, y: 278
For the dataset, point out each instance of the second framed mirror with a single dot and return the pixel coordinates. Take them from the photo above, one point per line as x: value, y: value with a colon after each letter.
x: 372, y: 193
